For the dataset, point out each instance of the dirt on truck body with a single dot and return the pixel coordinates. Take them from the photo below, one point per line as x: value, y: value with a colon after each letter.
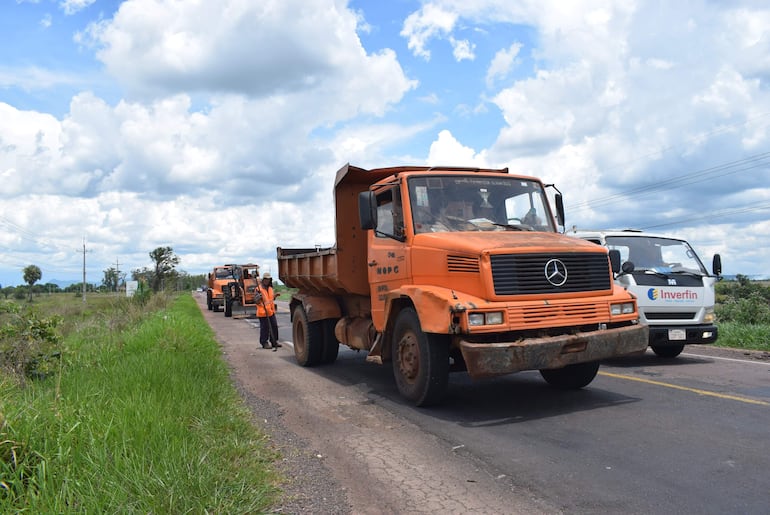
x: 441, y: 269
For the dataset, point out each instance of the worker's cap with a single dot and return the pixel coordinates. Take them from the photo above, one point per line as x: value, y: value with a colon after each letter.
x: 267, y: 275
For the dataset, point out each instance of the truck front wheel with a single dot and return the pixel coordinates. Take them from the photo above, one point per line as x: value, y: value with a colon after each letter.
x: 420, y: 361
x: 571, y: 377
x: 308, y: 338
x: 208, y: 301
x: 667, y: 351
x: 228, y: 304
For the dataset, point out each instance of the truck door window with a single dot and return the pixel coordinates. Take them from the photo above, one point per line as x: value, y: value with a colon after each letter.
x: 390, y: 220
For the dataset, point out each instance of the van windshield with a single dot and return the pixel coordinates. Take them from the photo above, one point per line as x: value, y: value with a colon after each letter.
x: 455, y: 203
x: 663, y: 255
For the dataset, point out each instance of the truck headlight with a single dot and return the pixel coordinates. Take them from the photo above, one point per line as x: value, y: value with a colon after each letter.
x: 622, y: 309
x: 490, y: 318
x: 709, y: 317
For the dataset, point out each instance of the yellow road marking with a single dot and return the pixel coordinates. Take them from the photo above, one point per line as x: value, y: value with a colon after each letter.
x: 694, y: 390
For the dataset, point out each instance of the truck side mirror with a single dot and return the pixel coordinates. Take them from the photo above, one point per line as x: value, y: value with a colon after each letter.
x: 716, y: 265
x: 367, y: 209
x: 615, y: 260
x: 559, y: 209
x: 627, y: 267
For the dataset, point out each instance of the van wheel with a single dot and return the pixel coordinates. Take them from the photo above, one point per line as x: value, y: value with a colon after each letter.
x: 571, y: 377
x: 420, y: 361
x: 331, y: 346
x: 667, y: 351
x: 308, y: 338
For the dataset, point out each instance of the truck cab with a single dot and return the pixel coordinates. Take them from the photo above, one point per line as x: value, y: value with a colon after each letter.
x: 674, y: 290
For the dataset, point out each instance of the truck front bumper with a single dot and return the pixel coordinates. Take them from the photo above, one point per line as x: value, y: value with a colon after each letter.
x: 693, y: 334
x: 494, y: 359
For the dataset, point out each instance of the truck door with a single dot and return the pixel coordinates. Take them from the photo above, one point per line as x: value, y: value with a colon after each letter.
x: 387, y: 251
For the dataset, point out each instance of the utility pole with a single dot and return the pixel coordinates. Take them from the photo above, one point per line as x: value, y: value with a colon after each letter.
x: 117, y: 276
x: 84, y: 270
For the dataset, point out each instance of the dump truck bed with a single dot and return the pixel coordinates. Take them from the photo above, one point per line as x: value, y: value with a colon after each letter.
x: 311, y: 270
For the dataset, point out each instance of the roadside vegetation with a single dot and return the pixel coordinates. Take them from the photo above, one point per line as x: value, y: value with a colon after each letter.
x: 743, y: 314
x: 123, y: 405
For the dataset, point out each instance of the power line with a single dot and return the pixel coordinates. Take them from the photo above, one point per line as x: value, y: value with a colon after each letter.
x: 729, y: 168
x: 758, y: 206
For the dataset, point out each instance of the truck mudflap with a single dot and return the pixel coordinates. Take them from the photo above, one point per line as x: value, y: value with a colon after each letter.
x: 494, y: 359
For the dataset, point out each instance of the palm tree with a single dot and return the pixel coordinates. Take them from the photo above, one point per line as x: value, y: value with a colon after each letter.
x: 32, y: 274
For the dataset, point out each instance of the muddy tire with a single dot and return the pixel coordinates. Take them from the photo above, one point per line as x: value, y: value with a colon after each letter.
x: 209, y: 305
x: 420, y: 361
x: 571, y: 377
x: 667, y: 351
x: 331, y: 347
x: 228, y: 303
x: 308, y: 338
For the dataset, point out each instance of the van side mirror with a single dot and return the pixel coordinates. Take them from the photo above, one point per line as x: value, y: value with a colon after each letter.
x: 615, y: 260
x: 367, y: 209
x: 716, y: 265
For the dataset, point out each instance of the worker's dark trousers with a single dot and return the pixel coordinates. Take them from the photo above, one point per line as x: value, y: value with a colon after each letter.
x: 265, y: 332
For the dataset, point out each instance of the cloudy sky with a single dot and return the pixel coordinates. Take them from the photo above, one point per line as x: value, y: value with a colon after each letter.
x: 216, y: 126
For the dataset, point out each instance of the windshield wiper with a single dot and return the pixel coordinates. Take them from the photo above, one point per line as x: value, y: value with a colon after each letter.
x: 520, y: 227
x: 687, y: 272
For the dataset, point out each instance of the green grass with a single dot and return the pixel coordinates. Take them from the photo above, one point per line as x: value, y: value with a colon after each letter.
x: 141, y: 418
x: 744, y: 336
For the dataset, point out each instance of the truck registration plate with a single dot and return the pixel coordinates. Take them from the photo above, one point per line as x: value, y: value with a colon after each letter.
x: 677, y: 334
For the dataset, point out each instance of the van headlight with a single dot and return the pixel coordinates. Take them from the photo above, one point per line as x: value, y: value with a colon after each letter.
x: 488, y: 318
x: 622, y: 309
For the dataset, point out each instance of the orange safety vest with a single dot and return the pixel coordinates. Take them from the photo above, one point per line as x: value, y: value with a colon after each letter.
x: 266, y: 305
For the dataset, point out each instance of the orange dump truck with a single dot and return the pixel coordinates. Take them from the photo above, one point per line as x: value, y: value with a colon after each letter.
x: 442, y: 269
x: 240, y: 291
x: 217, y: 282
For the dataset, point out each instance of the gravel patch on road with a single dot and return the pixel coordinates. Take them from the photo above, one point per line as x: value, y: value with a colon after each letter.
x: 310, y: 486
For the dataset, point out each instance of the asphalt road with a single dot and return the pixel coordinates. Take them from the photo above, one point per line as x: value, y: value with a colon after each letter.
x: 648, y: 435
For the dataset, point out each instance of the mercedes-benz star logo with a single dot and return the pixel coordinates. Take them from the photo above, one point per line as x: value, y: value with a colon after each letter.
x: 556, y: 272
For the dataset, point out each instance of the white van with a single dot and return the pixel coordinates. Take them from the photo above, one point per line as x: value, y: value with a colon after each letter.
x: 675, y: 292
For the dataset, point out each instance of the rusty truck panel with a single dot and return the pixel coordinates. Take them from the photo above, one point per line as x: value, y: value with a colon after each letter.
x: 494, y: 359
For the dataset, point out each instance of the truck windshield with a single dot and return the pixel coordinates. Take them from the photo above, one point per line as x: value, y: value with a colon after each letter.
x: 662, y: 255
x: 454, y: 203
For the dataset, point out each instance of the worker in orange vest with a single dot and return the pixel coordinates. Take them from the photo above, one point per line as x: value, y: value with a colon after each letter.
x: 268, y: 325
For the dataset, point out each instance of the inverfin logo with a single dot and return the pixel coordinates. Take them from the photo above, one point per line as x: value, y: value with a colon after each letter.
x: 672, y: 296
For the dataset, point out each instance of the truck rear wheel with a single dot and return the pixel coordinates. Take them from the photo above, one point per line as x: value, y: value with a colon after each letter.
x: 420, y: 361
x: 667, y: 351
x: 331, y: 346
x: 308, y: 338
x: 571, y: 377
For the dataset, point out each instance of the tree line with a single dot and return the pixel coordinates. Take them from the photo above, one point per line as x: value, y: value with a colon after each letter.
x: 161, y: 275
